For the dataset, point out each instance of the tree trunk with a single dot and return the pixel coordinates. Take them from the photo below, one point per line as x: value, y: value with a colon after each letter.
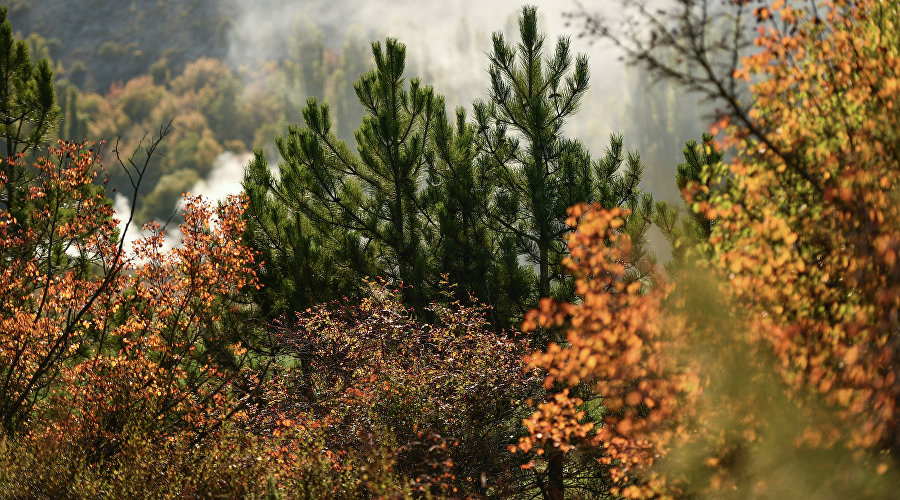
x: 544, y: 266
x: 555, y: 485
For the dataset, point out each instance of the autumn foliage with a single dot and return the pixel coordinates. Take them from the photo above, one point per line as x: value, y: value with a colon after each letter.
x: 615, y: 343
x: 372, y: 371
x: 124, y: 371
x: 805, y: 242
x: 807, y: 232
x: 104, y: 351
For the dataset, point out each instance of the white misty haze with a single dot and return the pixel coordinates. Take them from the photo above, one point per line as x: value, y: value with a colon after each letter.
x: 225, y: 177
x: 223, y: 180
x: 436, y: 50
x: 122, y: 206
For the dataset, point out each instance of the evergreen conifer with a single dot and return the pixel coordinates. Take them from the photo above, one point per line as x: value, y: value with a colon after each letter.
x: 28, y: 110
x: 364, y: 212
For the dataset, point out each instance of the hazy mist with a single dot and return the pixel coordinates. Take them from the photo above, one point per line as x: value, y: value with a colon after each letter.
x: 447, y: 45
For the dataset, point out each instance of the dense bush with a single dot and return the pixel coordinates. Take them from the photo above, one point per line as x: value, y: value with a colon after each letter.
x: 450, y: 394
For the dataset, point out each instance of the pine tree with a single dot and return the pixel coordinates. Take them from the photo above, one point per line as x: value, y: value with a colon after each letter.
x: 457, y: 196
x: 28, y: 108
x: 699, y: 161
x: 297, y: 265
x: 618, y: 187
x: 365, y: 211
x: 538, y: 172
x: 28, y: 111
x: 430, y: 198
x: 698, y: 175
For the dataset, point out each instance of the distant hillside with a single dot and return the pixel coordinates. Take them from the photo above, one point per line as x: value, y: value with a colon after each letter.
x: 100, y: 42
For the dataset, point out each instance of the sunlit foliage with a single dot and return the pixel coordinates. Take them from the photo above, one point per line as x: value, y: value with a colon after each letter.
x: 807, y: 230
